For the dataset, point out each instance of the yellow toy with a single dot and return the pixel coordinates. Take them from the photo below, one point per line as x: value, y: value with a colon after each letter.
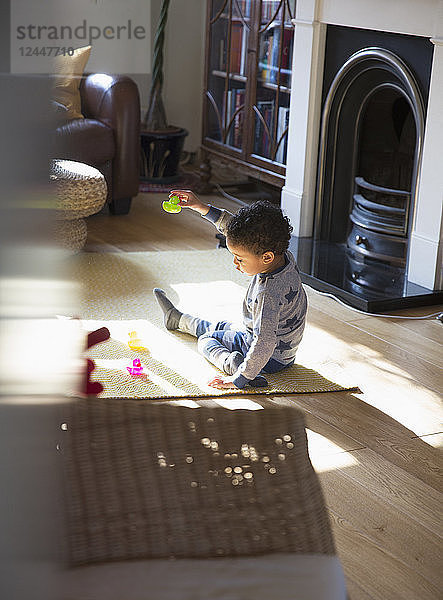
x: 172, y: 205
x: 135, y: 343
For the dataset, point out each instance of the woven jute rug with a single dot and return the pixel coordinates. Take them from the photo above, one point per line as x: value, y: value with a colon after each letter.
x: 165, y: 480
x: 117, y: 293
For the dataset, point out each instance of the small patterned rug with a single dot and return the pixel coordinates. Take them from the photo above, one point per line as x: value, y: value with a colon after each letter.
x: 117, y: 293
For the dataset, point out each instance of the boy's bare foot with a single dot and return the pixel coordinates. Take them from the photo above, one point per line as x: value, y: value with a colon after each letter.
x: 171, y: 314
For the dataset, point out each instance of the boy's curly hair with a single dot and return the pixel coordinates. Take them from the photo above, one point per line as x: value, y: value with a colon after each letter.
x: 260, y: 227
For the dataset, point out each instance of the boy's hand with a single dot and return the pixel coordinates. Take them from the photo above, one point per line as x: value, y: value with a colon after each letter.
x: 189, y: 200
x: 222, y: 383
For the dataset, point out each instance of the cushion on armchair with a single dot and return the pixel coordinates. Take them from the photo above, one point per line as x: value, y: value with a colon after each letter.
x: 68, y: 73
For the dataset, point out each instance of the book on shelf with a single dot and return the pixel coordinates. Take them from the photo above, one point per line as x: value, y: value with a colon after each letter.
x: 264, y: 58
x: 269, y: 8
x: 287, y: 43
x: 238, y: 119
x: 235, y: 99
x: 273, y: 45
x: 238, y: 50
x: 244, y: 6
x: 282, y: 138
x: 286, y: 56
x: 262, y: 142
x: 244, y: 51
x: 236, y: 47
x: 222, y: 55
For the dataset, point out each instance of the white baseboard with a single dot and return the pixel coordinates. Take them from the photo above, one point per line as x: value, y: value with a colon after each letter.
x: 292, y: 202
x: 425, y: 262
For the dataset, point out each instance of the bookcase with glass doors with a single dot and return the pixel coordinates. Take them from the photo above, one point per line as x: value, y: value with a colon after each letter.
x: 249, y: 46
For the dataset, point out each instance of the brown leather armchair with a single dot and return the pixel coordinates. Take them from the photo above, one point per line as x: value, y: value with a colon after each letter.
x: 108, y: 138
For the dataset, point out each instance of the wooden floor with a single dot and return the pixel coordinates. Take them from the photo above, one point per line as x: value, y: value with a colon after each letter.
x: 378, y: 453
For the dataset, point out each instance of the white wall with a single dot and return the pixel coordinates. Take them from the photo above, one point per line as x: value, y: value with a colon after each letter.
x: 183, y: 66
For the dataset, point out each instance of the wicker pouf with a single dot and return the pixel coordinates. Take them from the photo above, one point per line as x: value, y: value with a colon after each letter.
x: 80, y: 191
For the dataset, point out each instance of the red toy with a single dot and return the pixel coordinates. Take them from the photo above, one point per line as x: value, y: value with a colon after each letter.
x: 92, y: 388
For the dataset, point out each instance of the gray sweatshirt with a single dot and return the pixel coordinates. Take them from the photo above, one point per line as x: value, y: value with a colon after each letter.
x: 274, y: 312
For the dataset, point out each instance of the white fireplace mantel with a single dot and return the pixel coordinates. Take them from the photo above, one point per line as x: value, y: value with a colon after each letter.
x: 424, y: 18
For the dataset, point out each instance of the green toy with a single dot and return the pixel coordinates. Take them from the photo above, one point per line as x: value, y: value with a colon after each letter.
x: 171, y: 205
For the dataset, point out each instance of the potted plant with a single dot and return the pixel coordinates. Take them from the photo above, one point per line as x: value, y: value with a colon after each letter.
x: 161, y: 144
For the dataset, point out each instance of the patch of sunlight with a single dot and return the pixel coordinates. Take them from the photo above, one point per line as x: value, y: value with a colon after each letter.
x: 387, y: 366
x: 175, y: 353
x: 407, y: 402
x: 325, y: 463
x: 186, y: 403
x: 112, y: 364
x: 433, y: 439
x: 325, y: 455
x: 101, y: 79
x: 238, y: 403
x: 40, y: 356
x: 320, y: 444
x: 319, y: 347
x: 385, y: 385
x: 33, y: 399
x: 323, y: 352
x: 168, y: 388
x: 212, y: 300
x: 113, y: 371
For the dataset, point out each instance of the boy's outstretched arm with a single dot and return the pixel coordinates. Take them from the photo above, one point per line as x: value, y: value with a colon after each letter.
x: 218, y: 217
x: 190, y: 200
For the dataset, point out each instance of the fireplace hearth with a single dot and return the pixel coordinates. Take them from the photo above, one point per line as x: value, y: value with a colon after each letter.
x: 369, y: 285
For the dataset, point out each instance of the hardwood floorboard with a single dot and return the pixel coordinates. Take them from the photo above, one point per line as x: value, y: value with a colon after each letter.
x: 370, y: 346
x: 392, y: 380
x: 398, y: 488
x: 403, y: 338
x: 375, y: 430
x: 380, y: 575
x: 331, y: 307
x: 355, y: 592
x: 429, y: 329
x: 388, y: 525
x: 335, y: 439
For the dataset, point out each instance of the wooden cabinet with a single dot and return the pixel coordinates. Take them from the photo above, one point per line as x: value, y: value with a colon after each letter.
x: 247, y: 86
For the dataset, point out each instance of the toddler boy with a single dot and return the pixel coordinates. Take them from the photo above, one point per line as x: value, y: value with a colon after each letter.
x: 274, y: 309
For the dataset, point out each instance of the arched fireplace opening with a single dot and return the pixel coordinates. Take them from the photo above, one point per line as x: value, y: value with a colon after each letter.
x: 383, y: 178
x: 369, y: 165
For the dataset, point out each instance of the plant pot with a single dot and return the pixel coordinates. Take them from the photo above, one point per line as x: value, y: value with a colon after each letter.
x: 160, y: 154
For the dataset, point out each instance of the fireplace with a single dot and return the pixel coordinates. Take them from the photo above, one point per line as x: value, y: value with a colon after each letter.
x: 369, y: 161
x: 372, y: 105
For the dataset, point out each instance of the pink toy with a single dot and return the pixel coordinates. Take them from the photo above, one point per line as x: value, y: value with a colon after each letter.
x: 136, y: 368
